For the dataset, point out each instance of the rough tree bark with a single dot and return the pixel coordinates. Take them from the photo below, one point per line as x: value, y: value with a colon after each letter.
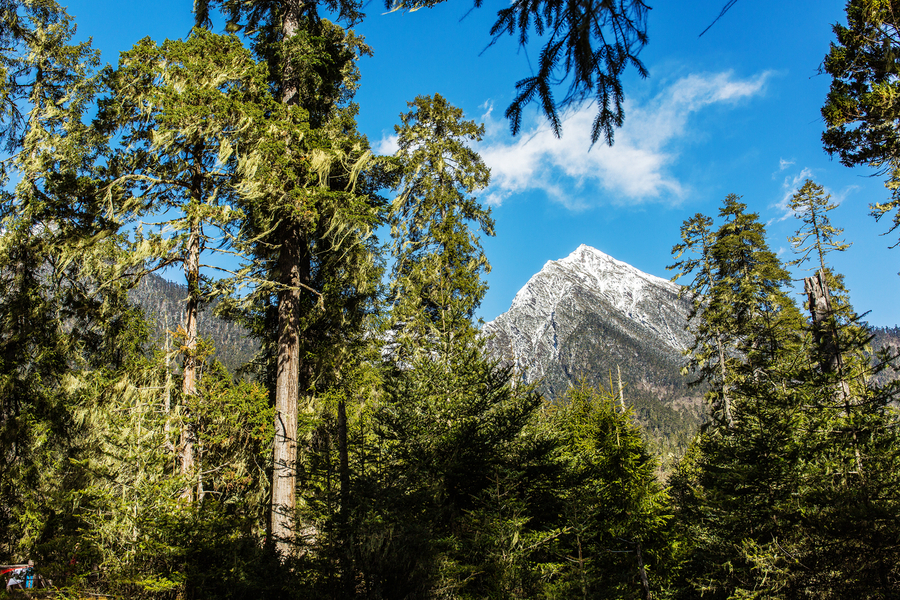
x: 293, y: 275
x: 831, y: 359
x: 191, y: 310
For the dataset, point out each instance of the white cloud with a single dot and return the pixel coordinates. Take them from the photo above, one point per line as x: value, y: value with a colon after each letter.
x: 784, y: 164
x: 387, y: 145
x: 635, y: 170
x: 792, y: 183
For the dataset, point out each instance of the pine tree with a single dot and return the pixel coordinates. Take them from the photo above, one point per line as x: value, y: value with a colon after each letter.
x: 67, y: 330
x: 747, y: 469
x: 710, y: 352
x: 614, y: 537
x: 811, y: 205
x: 443, y: 505
x: 849, y: 430
x: 308, y: 213
x: 181, y: 109
x: 438, y: 260
x: 861, y: 107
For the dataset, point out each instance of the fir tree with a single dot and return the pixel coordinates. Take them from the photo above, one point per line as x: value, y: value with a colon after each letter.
x: 309, y: 215
x: 710, y: 353
x: 68, y: 333
x: 181, y: 109
x: 438, y: 260
x: 747, y: 468
x: 614, y: 537
x: 447, y: 432
x: 861, y: 108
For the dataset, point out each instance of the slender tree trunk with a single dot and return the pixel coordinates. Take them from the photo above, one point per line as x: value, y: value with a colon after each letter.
x: 189, y: 383
x: 726, y: 399
x: 347, y: 577
x: 621, y: 389
x: 645, y: 582
x: 831, y: 359
x: 284, y: 474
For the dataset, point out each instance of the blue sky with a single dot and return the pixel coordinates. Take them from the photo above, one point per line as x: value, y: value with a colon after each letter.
x: 734, y: 111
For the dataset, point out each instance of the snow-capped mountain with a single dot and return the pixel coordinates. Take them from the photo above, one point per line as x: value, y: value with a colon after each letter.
x: 590, y: 315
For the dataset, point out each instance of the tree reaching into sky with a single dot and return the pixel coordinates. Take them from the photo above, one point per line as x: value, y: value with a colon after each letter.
x: 587, y: 47
x: 308, y: 218
x: 811, y: 206
x: 862, y: 110
x: 66, y: 328
x: 436, y: 223
x: 709, y: 354
x: 180, y: 109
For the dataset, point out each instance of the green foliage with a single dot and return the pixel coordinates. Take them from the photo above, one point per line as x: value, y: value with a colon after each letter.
x: 615, y: 512
x: 424, y: 469
x: 811, y: 205
x: 438, y: 261
x: 181, y: 109
x: 741, y: 315
x: 587, y: 45
x: 758, y: 496
x: 861, y: 109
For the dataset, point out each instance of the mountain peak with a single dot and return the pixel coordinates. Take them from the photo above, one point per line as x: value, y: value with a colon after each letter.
x: 620, y: 284
x: 615, y: 296
x: 587, y: 258
x: 589, y: 317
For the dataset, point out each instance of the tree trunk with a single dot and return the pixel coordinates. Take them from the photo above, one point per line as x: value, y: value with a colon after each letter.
x: 287, y: 384
x: 347, y: 577
x: 284, y: 473
x: 621, y: 389
x: 831, y: 359
x: 189, y: 383
x: 645, y: 582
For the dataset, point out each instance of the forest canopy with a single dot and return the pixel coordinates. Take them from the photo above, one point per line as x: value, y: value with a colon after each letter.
x: 371, y: 448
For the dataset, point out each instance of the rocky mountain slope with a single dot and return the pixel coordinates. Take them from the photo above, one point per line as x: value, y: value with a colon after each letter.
x: 591, y: 316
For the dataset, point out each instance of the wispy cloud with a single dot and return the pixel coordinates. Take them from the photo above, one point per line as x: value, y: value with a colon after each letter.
x: 387, y: 145
x: 784, y: 164
x: 789, y: 187
x: 635, y: 170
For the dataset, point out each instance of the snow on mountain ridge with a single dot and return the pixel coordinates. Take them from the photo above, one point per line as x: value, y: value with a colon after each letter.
x: 553, y: 305
x: 617, y: 282
x: 588, y: 318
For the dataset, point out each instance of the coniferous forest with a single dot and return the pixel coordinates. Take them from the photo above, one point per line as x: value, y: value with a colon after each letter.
x: 365, y: 446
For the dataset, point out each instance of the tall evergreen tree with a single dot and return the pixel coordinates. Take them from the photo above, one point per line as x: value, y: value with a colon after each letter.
x: 614, y: 540
x: 747, y: 469
x: 862, y: 105
x: 711, y: 350
x: 66, y: 326
x: 438, y: 260
x: 839, y: 339
x: 447, y: 433
x: 304, y: 209
x: 181, y: 109
x: 811, y: 205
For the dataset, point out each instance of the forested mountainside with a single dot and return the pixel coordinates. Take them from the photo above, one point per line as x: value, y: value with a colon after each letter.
x: 163, y: 304
x: 591, y: 317
x: 885, y: 339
